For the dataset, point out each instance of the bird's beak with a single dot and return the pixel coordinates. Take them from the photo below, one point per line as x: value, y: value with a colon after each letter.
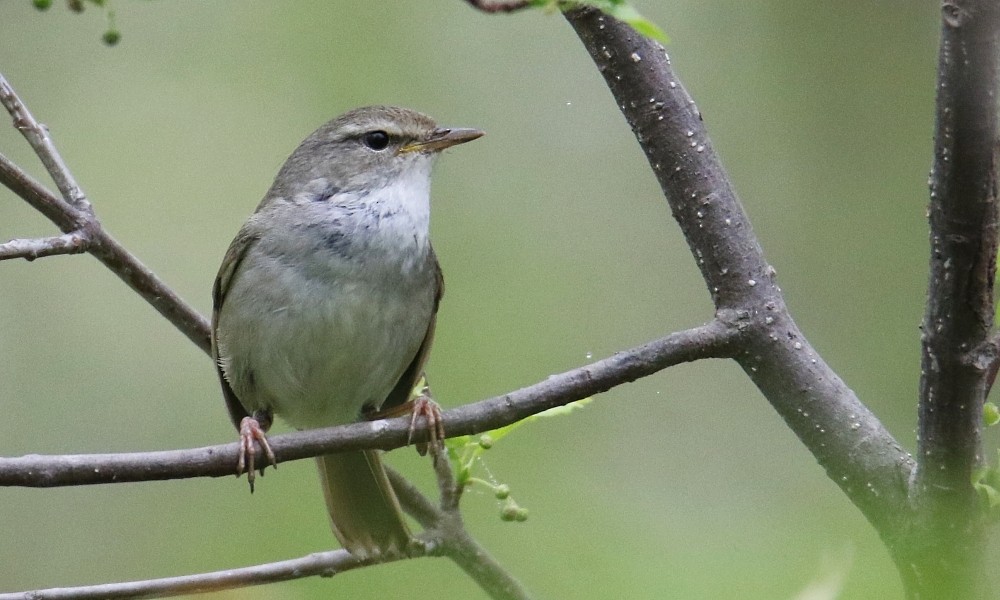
x: 442, y: 138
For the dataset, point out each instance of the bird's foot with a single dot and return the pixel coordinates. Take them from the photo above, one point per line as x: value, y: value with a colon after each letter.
x: 251, y: 431
x: 425, y: 406
x: 422, y: 405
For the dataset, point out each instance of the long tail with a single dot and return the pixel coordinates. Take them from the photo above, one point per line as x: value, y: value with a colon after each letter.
x: 364, y: 511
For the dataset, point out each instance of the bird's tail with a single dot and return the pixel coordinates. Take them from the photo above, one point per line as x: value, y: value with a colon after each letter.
x: 364, y: 510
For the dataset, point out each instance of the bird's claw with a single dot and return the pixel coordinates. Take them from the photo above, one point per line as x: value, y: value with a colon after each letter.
x: 423, y: 405
x: 251, y: 432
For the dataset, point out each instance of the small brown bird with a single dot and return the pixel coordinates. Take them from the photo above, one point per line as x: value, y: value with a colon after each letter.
x: 326, y: 301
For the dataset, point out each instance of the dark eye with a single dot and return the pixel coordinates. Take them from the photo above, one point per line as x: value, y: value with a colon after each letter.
x: 376, y: 140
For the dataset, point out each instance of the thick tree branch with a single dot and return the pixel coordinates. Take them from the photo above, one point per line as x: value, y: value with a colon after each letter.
x: 844, y: 436
x: 958, y: 353
x: 715, y: 339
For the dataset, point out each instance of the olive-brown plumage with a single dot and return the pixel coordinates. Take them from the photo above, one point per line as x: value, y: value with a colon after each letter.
x: 326, y: 301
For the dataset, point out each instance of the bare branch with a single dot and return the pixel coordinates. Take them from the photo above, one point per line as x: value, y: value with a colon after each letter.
x: 958, y: 359
x: 30, y: 249
x: 38, y: 136
x: 715, y: 339
x: 453, y: 541
x: 324, y: 564
x: 413, y: 501
x: 444, y: 536
x: 858, y: 453
x: 106, y: 249
x: 66, y: 217
x: 448, y: 488
x: 497, y: 6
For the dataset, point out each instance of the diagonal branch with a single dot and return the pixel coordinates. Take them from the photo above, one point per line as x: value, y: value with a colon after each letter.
x: 39, y: 139
x: 111, y: 253
x: 715, y: 339
x: 858, y: 453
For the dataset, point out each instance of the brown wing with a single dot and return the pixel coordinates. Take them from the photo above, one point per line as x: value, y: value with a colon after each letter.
x: 230, y: 264
x: 401, y: 391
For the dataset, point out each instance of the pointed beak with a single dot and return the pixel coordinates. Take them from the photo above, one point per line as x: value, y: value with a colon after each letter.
x: 442, y: 138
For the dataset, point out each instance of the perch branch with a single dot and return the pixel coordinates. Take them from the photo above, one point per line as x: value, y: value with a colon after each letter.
x: 715, y: 339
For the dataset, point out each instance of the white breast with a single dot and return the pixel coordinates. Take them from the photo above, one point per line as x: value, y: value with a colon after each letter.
x: 314, y: 330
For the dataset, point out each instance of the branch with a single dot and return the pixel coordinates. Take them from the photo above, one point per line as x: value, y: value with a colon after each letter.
x: 958, y: 354
x: 497, y: 6
x: 716, y: 339
x: 445, y: 526
x: 858, y: 453
x: 68, y: 243
x: 963, y: 221
x: 39, y: 139
x: 324, y: 564
x: 77, y: 219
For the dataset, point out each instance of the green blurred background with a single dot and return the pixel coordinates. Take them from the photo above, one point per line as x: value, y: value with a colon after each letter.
x: 556, y: 245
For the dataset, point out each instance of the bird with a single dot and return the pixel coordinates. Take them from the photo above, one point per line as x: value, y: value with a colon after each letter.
x: 325, y: 305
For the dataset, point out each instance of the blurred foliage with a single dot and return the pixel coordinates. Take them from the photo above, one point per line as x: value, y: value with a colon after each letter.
x: 111, y: 35
x: 556, y: 245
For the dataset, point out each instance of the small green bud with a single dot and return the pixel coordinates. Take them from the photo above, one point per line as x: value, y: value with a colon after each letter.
x: 521, y: 515
x: 111, y: 37
x: 502, y: 491
x: 509, y: 512
x: 991, y: 414
x: 75, y: 5
x: 42, y: 4
x: 486, y: 441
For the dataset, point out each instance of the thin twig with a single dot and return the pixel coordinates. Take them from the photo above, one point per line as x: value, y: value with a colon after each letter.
x: 30, y: 249
x: 713, y: 340
x: 40, y: 140
x: 497, y: 6
x: 448, y: 488
x: 323, y: 564
x: 111, y: 253
x: 414, y: 503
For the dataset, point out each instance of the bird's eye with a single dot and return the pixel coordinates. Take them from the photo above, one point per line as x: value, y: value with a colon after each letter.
x: 376, y: 140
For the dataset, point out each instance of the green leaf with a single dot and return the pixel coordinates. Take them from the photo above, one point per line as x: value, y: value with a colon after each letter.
x: 991, y: 414
x: 989, y: 494
x: 555, y: 411
x: 623, y: 11
x: 466, y: 450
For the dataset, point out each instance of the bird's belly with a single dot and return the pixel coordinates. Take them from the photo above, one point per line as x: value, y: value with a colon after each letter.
x: 316, y: 353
